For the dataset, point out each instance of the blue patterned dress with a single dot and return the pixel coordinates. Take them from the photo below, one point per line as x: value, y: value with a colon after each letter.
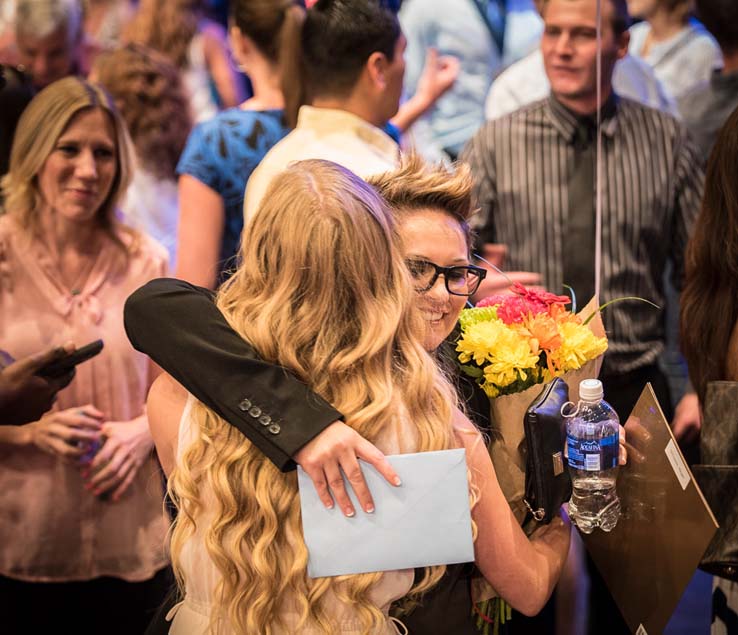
x: 222, y: 153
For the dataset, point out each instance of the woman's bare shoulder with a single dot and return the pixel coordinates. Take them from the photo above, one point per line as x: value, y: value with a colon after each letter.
x: 465, y: 431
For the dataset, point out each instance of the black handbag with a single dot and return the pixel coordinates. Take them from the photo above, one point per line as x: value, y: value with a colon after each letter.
x: 547, y: 481
x: 717, y: 475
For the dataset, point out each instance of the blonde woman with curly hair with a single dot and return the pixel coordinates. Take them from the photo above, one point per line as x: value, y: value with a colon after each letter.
x: 322, y: 290
x: 148, y: 91
x: 196, y: 45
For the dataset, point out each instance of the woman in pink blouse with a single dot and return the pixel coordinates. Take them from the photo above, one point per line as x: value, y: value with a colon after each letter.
x: 82, y: 527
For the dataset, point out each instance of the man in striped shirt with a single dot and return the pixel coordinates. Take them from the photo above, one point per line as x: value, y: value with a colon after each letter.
x: 526, y: 165
x: 534, y: 173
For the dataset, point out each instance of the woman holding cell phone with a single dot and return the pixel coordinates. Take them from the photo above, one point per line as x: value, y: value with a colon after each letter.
x: 81, y: 519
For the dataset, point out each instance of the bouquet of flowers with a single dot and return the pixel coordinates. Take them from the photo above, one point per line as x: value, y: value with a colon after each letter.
x: 514, y: 341
x: 511, y: 344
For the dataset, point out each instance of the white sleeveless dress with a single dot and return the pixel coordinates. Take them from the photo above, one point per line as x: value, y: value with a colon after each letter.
x: 192, y: 615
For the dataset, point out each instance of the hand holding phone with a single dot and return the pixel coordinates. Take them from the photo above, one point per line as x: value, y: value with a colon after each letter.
x: 61, y: 367
x: 24, y: 395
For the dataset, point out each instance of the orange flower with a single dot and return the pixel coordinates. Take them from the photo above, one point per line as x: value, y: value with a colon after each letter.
x: 542, y: 332
x: 560, y: 314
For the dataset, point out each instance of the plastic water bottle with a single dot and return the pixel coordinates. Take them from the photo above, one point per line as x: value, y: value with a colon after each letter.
x: 592, y: 438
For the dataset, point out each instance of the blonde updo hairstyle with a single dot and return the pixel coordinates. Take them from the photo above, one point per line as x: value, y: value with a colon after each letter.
x: 42, y: 123
x: 321, y: 290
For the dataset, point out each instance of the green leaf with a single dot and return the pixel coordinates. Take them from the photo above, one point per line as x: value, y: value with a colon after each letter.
x: 472, y: 371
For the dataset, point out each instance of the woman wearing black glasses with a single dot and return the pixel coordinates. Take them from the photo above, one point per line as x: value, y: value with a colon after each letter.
x: 175, y: 323
x: 433, y: 207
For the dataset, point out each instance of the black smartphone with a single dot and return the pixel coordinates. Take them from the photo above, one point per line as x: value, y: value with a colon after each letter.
x: 62, y: 366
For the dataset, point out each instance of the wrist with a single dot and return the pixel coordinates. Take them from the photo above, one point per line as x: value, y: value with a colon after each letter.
x: 421, y: 101
x: 18, y: 436
x: 426, y: 99
x: 144, y: 432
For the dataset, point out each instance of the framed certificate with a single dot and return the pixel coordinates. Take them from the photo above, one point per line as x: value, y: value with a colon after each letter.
x: 648, y: 559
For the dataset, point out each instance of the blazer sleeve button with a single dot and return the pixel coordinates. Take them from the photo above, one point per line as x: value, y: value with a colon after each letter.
x: 255, y: 411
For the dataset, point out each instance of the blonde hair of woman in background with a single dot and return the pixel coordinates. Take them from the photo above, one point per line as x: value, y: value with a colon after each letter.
x: 83, y: 495
x: 38, y: 130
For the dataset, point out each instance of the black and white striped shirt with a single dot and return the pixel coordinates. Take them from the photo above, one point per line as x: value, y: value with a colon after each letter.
x: 652, y: 188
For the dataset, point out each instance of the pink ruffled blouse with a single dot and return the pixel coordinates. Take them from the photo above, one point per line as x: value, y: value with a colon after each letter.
x: 51, y: 528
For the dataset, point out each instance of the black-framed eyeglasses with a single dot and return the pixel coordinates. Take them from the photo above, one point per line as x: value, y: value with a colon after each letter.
x: 460, y: 280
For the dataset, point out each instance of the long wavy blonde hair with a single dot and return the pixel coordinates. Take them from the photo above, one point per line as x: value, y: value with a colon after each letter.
x: 321, y: 290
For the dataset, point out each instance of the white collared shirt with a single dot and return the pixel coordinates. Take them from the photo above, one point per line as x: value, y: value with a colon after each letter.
x: 324, y: 133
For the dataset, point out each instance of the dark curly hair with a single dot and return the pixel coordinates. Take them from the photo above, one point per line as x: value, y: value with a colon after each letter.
x: 148, y: 91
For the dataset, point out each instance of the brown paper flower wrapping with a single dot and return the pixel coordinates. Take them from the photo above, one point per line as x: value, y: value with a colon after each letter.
x: 507, y: 443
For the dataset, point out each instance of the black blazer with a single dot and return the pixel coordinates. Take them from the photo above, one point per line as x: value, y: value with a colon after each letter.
x: 181, y: 329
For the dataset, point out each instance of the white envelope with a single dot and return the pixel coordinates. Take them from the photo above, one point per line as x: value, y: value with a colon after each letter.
x: 425, y: 521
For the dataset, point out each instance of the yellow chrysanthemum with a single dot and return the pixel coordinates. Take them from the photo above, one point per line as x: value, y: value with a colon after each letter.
x: 578, y: 346
x: 511, y: 361
x: 507, y: 355
x: 490, y: 390
x: 480, y: 340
